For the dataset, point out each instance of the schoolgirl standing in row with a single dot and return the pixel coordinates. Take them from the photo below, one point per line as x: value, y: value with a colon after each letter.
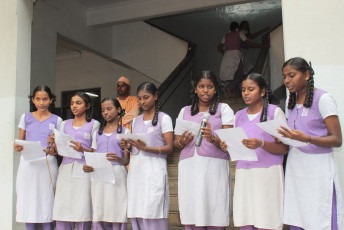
x: 36, y: 178
x: 313, y: 198
x: 258, y: 191
x: 148, y: 190
x: 73, y: 189
x: 109, y: 201
x: 204, y: 186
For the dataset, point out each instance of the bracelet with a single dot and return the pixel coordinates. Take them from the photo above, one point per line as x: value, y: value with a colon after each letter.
x: 213, y: 139
x: 309, y: 141
x: 262, y: 143
x: 180, y: 144
x: 159, y: 150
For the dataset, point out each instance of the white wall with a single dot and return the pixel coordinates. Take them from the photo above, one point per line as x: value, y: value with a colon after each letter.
x: 61, y: 17
x: 15, y: 46
x: 148, y: 49
x: 276, y: 57
x: 312, y: 31
x: 91, y: 71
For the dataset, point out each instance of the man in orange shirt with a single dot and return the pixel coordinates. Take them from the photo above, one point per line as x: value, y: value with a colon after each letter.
x: 129, y: 103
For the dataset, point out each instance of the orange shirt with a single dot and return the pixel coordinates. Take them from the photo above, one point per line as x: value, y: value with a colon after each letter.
x: 132, y: 109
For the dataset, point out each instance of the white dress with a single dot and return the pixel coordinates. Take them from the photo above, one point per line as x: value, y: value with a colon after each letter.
x: 259, y: 189
x: 309, y: 181
x: 110, y: 201
x: 148, y: 190
x: 73, y: 186
x: 34, y: 186
x: 204, y: 185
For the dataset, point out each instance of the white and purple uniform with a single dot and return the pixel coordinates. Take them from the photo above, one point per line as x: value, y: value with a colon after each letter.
x: 35, y: 194
x: 148, y: 190
x: 204, y: 185
x: 73, y: 188
x: 110, y: 201
x: 313, y: 197
x: 258, y: 191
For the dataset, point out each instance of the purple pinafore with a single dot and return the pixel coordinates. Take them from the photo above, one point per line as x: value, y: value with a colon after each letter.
x: 110, y: 201
x: 202, y: 172
x: 252, y: 207
x: 148, y: 191
x: 73, y: 189
x: 313, y: 197
x: 35, y: 194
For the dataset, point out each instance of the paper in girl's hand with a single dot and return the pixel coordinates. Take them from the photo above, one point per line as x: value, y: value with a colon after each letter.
x: 103, y: 170
x: 271, y: 128
x: 236, y: 149
x: 184, y: 125
x: 135, y: 137
x: 31, y: 149
x: 63, y: 142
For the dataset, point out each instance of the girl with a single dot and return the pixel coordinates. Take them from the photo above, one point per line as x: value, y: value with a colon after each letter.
x: 258, y: 191
x: 36, y: 178
x: 313, y: 198
x: 73, y: 193
x: 148, y: 191
x: 109, y: 201
x: 203, y: 178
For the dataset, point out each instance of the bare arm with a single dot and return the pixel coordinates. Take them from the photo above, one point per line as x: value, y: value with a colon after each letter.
x: 18, y: 147
x: 333, y: 139
x: 256, y: 34
x: 220, y: 48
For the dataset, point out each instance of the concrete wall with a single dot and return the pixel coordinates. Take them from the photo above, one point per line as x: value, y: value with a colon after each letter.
x: 276, y: 57
x: 15, y: 45
x: 308, y: 35
x: 90, y: 71
x: 61, y: 17
x: 148, y: 49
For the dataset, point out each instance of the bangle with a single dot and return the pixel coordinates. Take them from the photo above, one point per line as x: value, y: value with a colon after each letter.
x: 180, y: 144
x: 309, y: 141
x: 262, y: 143
x: 159, y: 150
x: 213, y: 139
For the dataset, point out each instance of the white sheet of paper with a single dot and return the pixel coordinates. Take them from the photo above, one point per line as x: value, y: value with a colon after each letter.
x: 31, y: 149
x: 103, y: 170
x: 236, y: 149
x: 183, y: 125
x: 271, y: 128
x: 135, y: 137
x: 63, y: 142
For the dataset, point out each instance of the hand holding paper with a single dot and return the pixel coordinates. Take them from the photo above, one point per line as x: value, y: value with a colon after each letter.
x: 184, y: 125
x: 63, y: 143
x: 31, y: 150
x: 135, y: 137
x: 272, y: 127
x: 236, y: 149
x: 103, y: 170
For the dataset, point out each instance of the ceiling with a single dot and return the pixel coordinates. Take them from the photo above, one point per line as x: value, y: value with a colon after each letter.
x: 94, y: 4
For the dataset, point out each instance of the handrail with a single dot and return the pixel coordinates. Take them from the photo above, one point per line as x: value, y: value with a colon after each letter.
x: 259, y: 66
x: 176, y: 76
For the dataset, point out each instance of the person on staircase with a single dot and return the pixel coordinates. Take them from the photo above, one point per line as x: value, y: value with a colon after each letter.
x: 232, y: 69
x: 204, y: 185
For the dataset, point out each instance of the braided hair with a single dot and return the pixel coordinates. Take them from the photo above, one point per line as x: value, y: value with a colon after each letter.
x: 151, y: 88
x: 301, y: 65
x: 88, y: 101
x: 260, y: 81
x: 121, y: 113
x: 216, y: 99
x: 46, y: 89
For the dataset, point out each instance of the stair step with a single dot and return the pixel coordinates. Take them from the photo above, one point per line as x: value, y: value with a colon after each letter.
x: 173, y: 185
x: 172, y: 171
x: 173, y: 159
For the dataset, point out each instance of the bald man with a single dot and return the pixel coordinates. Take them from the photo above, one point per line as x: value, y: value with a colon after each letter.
x: 129, y: 103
